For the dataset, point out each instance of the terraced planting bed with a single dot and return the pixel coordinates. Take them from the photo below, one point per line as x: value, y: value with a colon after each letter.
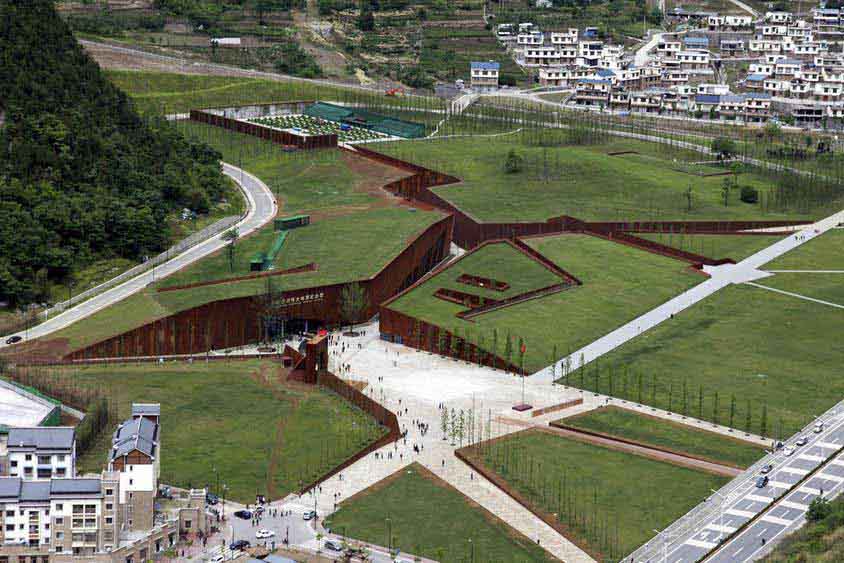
x: 316, y: 126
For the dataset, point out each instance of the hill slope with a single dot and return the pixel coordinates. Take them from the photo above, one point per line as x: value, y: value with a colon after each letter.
x: 82, y: 177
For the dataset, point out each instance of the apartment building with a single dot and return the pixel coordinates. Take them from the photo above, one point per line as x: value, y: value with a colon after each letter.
x: 484, y: 75
x: 567, y: 37
x: 593, y: 92
x: 38, y: 453
x: 694, y: 60
x: 829, y: 23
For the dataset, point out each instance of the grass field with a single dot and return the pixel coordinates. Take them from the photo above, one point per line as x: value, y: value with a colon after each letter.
x: 826, y: 287
x: 775, y: 354
x: 427, y: 517
x: 661, y: 433
x: 619, y: 283
x: 714, y: 246
x: 260, y: 433
x: 581, y: 180
x: 825, y: 252
x: 610, y: 500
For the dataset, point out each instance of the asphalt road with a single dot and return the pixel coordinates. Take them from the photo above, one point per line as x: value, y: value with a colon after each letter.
x: 262, y: 209
x: 743, y: 501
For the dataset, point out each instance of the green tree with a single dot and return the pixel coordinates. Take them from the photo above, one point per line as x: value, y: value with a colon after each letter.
x: 231, y: 237
x: 354, y: 302
x: 513, y: 164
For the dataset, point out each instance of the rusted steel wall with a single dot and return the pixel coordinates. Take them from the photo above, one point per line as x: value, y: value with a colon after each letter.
x: 274, y: 135
x: 692, y: 227
x: 235, y: 322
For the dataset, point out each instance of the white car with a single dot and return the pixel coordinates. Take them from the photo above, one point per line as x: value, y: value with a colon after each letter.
x: 818, y: 427
x: 788, y: 450
x: 802, y: 441
x: 264, y: 533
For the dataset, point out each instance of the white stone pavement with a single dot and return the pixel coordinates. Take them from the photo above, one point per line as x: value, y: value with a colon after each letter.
x: 720, y: 277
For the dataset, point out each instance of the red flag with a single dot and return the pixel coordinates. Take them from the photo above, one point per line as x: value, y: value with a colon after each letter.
x: 523, y: 348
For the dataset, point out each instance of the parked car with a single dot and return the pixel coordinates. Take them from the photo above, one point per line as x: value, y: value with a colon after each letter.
x: 244, y: 514
x: 802, y: 441
x: 165, y: 492
x: 212, y: 499
x: 217, y: 559
x: 259, y: 510
x: 767, y: 469
x: 333, y: 545
x: 789, y: 450
x: 761, y: 481
x: 239, y: 545
x: 263, y: 533
x: 13, y: 339
x: 818, y: 427
x: 309, y: 515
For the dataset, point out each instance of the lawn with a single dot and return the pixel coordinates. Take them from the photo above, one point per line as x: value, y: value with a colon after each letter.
x: 619, y: 283
x: 825, y: 252
x: 777, y: 356
x: 662, y: 433
x: 611, y: 501
x: 428, y: 517
x: 582, y: 181
x: 260, y: 433
x: 826, y: 287
x: 736, y: 247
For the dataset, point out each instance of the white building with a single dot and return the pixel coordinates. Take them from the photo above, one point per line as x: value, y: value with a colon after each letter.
x: 41, y: 453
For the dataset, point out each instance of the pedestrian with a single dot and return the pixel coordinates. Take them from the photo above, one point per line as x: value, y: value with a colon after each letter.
x: 443, y: 462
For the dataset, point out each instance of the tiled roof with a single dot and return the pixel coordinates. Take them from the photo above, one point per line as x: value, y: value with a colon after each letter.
x: 75, y: 486
x: 134, y: 434
x: 42, y: 437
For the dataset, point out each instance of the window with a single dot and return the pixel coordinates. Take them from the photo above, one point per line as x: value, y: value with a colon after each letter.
x: 131, y: 481
x: 44, y: 460
x: 187, y: 524
x: 13, y: 463
x: 109, y: 492
x: 90, y: 509
x: 60, y: 458
x: 59, y: 506
x: 10, y: 527
x: 59, y: 521
x: 28, y: 457
x: 109, y: 506
x: 61, y: 472
x: 109, y: 520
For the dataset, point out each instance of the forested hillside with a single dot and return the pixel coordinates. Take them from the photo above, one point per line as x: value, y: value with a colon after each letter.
x: 82, y: 176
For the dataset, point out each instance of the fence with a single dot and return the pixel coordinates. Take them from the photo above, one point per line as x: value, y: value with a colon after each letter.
x: 178, y: 248
x: 278, y: 136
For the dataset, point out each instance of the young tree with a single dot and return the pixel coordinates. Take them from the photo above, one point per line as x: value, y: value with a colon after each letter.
x: 508, y: 349
x: 444, y: 422
x: 685, y: 398
x: 452, y: 426
x: 763, y: 424
x: 715, y: 409
x: 747, y: 420
x: 231, y: 237
x: 353, y: 302
x: 461, y: 427
x: 732, y: 410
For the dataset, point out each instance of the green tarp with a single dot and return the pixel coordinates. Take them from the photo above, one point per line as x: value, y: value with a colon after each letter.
x: 366, y: 119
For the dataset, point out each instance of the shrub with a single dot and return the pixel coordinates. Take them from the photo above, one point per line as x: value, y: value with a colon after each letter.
x: 514, y: 162
x: 749, y: 195
x: 723, y: 146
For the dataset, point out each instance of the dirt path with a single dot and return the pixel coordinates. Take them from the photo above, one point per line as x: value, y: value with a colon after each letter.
x: 675, y: 459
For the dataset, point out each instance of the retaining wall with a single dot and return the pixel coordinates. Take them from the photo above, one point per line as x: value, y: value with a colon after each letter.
x: 274, y: 135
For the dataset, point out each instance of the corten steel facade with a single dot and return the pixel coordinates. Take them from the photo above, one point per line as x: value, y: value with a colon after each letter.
x: 235, y: 322
x: 274, y: 135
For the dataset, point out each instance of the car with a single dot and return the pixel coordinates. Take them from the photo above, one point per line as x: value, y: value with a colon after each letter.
x: 309, y: 515
x: 217, y: 559
x: 333, y: 545
x: 761, y: 481
x: 259, y: 510
x: 263, y: 533
x: 802, y: 441
x: 818, y: 427
x: 13, y: 339
x: 239, y: 545
x: 212, y: 499
x: 244, y: 514
x: 767, y: 469
x: 789, y: 450
x: 165, y: 492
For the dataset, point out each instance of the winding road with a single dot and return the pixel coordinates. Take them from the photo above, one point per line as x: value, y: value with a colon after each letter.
x: 262, y: 209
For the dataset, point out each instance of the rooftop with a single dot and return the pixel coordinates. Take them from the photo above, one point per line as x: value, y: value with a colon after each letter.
x: 146, y: 409
x: 489, y: 65
x: 134, y: 434
x: 42, y: 438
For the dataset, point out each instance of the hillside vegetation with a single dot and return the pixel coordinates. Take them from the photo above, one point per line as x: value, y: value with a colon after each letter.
x: 82, y: 177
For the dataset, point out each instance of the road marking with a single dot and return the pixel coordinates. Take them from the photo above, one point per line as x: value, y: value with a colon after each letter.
x: 810, y: 490
x: 830, y: 445
x: 829, y: 477
x: 794, y: 505
x: 760, y: 498
x: 707, y: 545
x: 780, y: 485
x: 742, y: 513
x: 719, y: 528
x: 794, y: 471
x: 775, y: 520
x: 809, y: 457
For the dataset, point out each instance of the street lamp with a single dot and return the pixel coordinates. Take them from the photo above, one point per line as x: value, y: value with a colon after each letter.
x: 389, y: 535
x: 472, y: 548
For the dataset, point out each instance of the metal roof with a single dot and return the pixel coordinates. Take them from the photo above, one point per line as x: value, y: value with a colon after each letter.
x: 35, y: 491
x: 149, y: 409
x: 707, y: 98
x: 42, y: 437
x: 10, y: 487
x: 757, y: 77
x: 489, y: 65
x: 75, y: 486
x: 605, y: 72
x: 696, y: 41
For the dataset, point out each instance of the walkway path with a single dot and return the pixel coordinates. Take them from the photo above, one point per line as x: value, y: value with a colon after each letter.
x: 720, y: 277
x: 797, y: 295
x: 262, y: 208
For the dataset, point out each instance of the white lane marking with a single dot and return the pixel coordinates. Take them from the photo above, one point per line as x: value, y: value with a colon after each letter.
x: 775, y: 520
x: 760, y: 498
x: 794, y: 471
x: 830, y: 445
x: 809, y: 457
x: 837, y: 461
x: 827, y: 476
x: 809, y: 490
x: 719, y: 528
x: 795, y: 505
x: 742, y: 513
x: 704, y: 544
